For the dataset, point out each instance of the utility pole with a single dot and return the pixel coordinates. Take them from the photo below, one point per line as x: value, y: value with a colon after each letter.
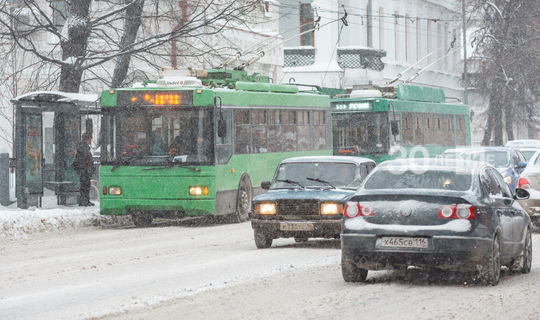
x: 464, y: 77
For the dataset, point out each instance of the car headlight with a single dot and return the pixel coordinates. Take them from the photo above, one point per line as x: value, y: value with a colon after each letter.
x: 331, y: 208
x: 508, y: 180
x: 115, y: 191
x: 265, y: 208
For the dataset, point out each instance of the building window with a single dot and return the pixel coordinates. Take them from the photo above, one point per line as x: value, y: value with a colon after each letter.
x: 418, y: 40
x: 381, y: 28
x: 428, y: 41
x: 397, y: 43
x: 406, y: 37
x: 306, y: 23
x: 60, y: 10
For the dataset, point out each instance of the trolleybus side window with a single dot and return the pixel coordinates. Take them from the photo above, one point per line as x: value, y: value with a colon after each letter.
x: 258, y: 130
x: 302, y: 130
x: 242, y: 132
x: 274, y: 131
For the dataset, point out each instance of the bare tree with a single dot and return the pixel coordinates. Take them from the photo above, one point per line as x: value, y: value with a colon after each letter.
x: 507, y: 41
x: 84, y: 39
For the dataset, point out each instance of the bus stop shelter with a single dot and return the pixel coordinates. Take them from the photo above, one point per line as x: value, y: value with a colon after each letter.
x: 48, y: 129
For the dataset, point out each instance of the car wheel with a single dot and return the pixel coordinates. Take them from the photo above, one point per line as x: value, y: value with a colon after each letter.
x: 300, y: 239
x: 493, y: 272
x: 527, y: 253
x: 262, y: 240
x: 243, y: 201
x: 350, y: 272
x: 141, y: 220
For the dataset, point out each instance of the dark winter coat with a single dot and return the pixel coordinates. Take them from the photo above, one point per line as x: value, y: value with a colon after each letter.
x: 83, y: 162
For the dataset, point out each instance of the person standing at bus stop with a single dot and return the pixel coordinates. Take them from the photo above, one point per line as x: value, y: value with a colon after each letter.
x: 84, y: 165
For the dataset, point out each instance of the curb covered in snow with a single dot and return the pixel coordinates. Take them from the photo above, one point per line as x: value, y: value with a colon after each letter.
x: 17, y: 223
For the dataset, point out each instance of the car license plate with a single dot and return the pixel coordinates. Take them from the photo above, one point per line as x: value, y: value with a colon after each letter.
x: 296, y: 226
x: 401, y: 242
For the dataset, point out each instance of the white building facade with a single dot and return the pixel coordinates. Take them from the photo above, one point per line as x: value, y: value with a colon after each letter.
x: 373, y: 42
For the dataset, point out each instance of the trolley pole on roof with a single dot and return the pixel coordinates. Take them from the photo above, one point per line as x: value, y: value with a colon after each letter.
x: 464, y: 77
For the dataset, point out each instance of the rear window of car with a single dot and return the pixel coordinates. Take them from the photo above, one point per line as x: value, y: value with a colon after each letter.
x: 537, y: 162
x: 528, y: 154
x: 394, y: 178
x: 498, y: 159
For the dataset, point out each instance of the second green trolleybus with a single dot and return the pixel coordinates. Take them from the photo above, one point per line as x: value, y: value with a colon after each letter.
x: 187, y: 145
x: 403, y: 121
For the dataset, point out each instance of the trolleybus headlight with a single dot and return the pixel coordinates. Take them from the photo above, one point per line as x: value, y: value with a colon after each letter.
x: 265, y: 208
x: 331, y: 208
x: 196, y: 190
x: 115, y: 191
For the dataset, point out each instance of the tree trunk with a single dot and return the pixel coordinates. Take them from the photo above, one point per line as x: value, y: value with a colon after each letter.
x: 132, y: 23
x: 509, y: 121
x: 74, y: 46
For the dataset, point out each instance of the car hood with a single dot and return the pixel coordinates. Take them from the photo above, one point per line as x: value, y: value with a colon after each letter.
x: 304, y: 194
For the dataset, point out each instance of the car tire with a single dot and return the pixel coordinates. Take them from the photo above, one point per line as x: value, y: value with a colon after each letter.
x: 493, y: 267
x: 262, y: 240
x: 527, y: 253
x: 300, y: 239
x: 141, y: 220
x: 350, y: 272
x: 243, y: 200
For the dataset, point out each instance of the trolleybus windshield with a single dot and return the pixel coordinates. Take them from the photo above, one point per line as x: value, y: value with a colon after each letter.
x: 158, y: 136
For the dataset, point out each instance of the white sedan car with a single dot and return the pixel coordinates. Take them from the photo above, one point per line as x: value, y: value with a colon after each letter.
x: 530, y: 180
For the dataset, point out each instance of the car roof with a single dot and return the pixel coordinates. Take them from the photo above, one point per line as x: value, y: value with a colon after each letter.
x: 481, y: 149
x: 529, y: 148
x: 523, y: 143
x: 435, y: 163
x: 343, y: 159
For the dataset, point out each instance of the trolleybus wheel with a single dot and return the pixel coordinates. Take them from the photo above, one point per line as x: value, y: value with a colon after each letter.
x: 243, y: 200
x: 140, y: 219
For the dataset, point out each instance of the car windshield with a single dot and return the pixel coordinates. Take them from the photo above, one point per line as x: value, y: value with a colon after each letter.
x: 335, y: 174
x: 498, y: 159
x: 419, y: 178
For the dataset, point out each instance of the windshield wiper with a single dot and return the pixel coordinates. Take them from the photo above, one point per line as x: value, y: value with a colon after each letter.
x: 127, y: 161
x: 291, y: 182
x: 321, y: 181
x: 174, y: 165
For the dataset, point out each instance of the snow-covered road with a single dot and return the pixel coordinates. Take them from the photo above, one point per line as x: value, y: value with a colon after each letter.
x: 215, y: 272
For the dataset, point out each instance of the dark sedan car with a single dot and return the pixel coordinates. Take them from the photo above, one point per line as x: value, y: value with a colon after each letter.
x: 305, y: 198
x: 435, y: 214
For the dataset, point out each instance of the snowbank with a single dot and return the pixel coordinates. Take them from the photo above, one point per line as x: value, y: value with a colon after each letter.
x: 20, y: 223
x: 15, y: 223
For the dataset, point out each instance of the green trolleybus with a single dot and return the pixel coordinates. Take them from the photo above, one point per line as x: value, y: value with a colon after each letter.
x: 395, y: 122
x: 197, y: 143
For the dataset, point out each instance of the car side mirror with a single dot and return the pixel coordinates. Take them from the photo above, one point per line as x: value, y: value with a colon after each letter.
x: 521, y: 194
x: 222, y: 128
x: 265, y: 185
x: 521, y: 165
x: 394, y: 126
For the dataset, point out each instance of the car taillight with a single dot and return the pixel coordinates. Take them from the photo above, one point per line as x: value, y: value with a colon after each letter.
x: 351, y: 209
x: 104, y: 190
x: 355, y: 209
x: 366, y: 211
x: 524, y: 183
x: 460, y: 211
